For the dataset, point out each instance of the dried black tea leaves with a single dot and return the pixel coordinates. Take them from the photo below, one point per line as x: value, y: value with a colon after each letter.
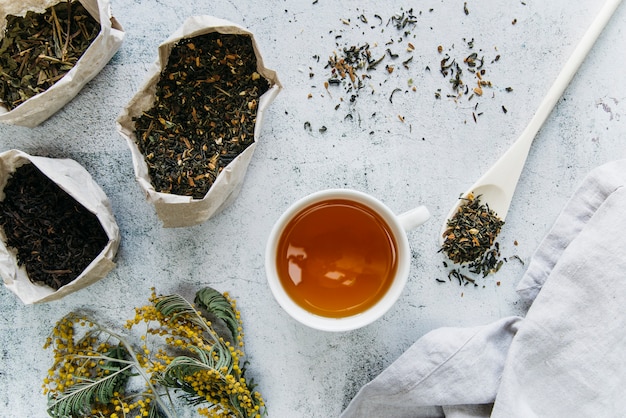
x: 203, y: 114
x: 38, y: 49
x: 55, y: 237
x: 471, y: 233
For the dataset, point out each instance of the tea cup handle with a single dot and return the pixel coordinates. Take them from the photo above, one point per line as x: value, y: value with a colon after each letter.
x: 414, y: 218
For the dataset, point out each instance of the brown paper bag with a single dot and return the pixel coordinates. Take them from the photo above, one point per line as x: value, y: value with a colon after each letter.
x: 43, y: 105
x: 77, y: 182
x: 176, y: 210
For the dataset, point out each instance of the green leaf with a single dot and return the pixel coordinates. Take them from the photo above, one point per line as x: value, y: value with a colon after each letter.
x: 175, y: 306
x: 183, y: 366
x: 78, y: 399
x: 155, y: 411
x: 214, y: 302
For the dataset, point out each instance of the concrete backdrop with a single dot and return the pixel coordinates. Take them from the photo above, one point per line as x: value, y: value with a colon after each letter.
x: 413, y: 149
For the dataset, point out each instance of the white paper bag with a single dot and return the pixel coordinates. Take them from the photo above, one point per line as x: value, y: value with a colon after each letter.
x: 43, y: 105
x: 77, y: 182
x: 176, y: 210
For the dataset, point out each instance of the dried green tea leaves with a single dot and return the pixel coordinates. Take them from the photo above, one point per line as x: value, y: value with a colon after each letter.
x: 38, y: 49
x: 470, y: 236
x: 55, y: 237
x: 203, y: 115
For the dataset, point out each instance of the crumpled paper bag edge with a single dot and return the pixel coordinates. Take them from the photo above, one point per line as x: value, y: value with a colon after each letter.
x: 92, y: 197
x: 42, y: 106
x: 176, y: 210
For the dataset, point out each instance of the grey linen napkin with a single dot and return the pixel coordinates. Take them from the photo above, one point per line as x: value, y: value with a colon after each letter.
x: 564, y: 359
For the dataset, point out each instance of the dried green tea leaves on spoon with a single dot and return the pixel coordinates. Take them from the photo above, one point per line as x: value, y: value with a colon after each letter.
x: 38, y: 49
x: 203, y: 115
x: 470, y: 236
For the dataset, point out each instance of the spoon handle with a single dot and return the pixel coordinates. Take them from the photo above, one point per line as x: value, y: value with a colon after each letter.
x: 498, y: 184
x: 570, y: 68
x: 507, y: 170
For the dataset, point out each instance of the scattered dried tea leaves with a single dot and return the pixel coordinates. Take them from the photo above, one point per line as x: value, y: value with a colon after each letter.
x: 38, y: 49
x: 490, y: 263
x: 350, y: 66
x: 467, y: 73
x: 455, y: 69
x: 203, y: 115
x: 55, y: 237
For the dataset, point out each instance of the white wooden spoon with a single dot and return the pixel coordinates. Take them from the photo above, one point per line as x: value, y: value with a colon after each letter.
x: 497, y: 185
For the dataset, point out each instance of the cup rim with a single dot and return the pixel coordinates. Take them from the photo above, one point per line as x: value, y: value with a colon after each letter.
x: 352, y: 322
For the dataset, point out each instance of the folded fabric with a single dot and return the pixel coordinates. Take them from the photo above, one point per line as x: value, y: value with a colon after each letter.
x: 596, y: 187
x: 440, y: 369
x: 564, y: 359
x: 567, y: 357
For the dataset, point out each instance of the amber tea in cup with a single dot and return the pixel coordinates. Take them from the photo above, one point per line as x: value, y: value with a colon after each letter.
x: 338, y: 259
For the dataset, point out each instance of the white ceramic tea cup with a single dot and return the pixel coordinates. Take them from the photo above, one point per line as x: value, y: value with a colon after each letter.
x: 397, y: 225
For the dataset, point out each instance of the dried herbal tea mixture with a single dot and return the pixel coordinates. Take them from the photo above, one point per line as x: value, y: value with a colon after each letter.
x: 469, y: 239
x: 467, y: 75
x: 38, y: 49
x: 55, y: 237
x: 203, y: 115
x: 192, y: 350
x: 351, y: 66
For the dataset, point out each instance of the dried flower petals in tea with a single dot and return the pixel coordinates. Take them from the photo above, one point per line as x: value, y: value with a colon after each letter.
x: 38, y: 49
x: 471, y: 233
x: 55, y: 237
x: 203, y: 115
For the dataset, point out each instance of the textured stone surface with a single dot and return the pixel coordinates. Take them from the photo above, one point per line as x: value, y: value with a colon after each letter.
x: 429, y: 158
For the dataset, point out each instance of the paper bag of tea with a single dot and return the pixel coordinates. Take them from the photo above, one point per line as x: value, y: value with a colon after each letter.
x: 193, y: 127
x: 50, y: 70
x: 57, y: 230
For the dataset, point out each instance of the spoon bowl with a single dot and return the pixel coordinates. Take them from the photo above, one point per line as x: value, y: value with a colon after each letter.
x: 497, y: 186
x: 492, y: 193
